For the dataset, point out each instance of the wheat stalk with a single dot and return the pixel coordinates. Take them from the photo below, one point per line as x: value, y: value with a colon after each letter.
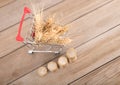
x: 48, y: 31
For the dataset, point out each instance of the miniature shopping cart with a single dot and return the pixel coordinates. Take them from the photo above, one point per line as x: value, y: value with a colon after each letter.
x: 29, y: 40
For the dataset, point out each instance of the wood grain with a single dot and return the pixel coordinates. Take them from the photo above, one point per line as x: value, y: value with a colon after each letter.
x: 109, y: 74
x: 82, y: 6
x: 9, y: 43
x: 90, y: 56
x: 29, y: 68
x: 12, y: 31
x: 13, y: 11
x: 57, y: 9
x: 19, y: 63
x: 75, y: 9
x: 5, y: 2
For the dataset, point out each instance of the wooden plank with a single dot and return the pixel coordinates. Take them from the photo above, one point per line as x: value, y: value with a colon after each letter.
x: 9, y: 43
x: 57, y: 9
x: 74, y: 24
x: 13, y: 11
x: 109, y: 74
x: 82, y: 6
x: 5, y: 2
x: 29, y: 68
x: 90, y: 56
x: 13, y: 45
x: 19, y: 63
x: 75, y: 9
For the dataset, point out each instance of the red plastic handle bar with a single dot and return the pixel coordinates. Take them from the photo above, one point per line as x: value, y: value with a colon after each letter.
x: 19, y: 37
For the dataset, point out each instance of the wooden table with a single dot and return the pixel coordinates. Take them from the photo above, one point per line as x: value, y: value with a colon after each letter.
x: 94, y: 28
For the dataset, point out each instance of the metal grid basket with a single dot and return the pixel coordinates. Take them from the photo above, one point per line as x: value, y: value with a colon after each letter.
x: 41, y: 47
x: 29, y: 40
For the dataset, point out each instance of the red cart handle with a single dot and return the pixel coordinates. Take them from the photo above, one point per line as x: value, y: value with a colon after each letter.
x: 19, y: 37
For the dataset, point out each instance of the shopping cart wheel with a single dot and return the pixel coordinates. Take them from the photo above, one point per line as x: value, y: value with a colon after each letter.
x: 30, y: 51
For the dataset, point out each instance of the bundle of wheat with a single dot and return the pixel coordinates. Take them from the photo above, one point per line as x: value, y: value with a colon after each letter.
x: 49, y: 32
